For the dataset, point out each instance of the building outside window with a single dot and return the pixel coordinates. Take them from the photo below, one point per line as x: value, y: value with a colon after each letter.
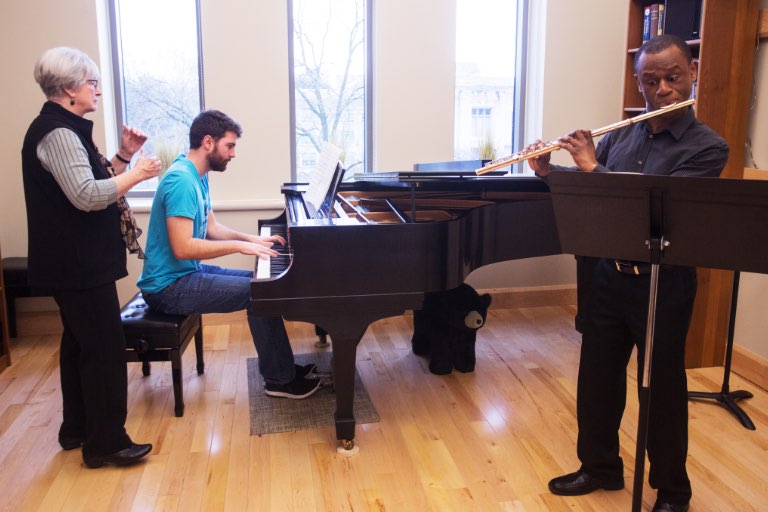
x: 329, y: 67
x: 158, y: 79
x: 486, y: 74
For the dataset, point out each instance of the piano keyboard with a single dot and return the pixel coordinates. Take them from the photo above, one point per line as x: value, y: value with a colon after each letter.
x: 275, y: 265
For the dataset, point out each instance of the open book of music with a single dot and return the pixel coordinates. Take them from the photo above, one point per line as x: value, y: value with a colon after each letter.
x: 324, y: 183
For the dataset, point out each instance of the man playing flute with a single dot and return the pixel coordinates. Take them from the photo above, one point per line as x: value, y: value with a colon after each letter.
x: 674, y: 144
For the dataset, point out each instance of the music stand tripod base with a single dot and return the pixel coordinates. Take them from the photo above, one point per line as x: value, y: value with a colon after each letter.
x: 728, y: 400
x: 725, y: 396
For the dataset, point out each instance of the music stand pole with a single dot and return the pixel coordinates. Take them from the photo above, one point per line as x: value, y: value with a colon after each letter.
x: 644, y: 386
x: 726, y: 397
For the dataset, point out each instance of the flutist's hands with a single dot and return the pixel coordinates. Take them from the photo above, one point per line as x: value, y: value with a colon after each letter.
x: 582, y: 148
x: 539, y: 164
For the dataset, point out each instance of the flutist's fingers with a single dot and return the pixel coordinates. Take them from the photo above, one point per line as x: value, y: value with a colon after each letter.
x: 581, y: 147
x: 539, y: 164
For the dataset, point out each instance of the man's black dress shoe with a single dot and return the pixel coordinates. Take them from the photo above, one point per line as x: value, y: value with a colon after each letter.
x: 126, y: 456
x: 662, y: 506
x: 578, y: 483
x: 70, y: 443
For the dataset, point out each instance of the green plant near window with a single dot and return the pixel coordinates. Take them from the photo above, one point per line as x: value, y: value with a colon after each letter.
x: 167, y: 150
x: 486, y: 149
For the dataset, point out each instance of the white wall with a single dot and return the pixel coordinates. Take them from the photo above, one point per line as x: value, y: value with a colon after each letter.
x: 751, y: 317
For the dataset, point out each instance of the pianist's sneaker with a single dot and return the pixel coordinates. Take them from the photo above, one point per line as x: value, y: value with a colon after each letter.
x: 300, y: 387
x: 305, y: 371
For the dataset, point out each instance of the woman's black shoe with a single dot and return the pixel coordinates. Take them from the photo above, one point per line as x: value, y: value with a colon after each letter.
x: 126, y: 456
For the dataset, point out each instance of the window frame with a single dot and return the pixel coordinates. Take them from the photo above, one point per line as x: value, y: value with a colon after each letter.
x: 118, y: 80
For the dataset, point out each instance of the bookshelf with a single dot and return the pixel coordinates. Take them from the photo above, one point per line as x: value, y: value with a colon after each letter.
x: 725, y: 48
x: 5, y: 353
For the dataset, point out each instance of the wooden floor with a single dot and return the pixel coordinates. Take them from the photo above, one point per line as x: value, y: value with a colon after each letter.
x: 488, y: 440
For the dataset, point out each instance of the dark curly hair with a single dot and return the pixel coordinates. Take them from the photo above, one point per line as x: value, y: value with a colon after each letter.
x: 661, y: 43
x: 214, y: 123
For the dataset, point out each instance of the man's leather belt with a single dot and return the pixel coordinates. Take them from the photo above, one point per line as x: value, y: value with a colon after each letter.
x: 632, y: 267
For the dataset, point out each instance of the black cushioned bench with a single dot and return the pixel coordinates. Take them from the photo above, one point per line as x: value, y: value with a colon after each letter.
x: 15, y: 277
x: 153, y: 336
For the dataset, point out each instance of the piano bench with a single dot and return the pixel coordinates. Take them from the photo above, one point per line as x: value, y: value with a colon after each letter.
x: 15, y: 279
x: 154, y: 336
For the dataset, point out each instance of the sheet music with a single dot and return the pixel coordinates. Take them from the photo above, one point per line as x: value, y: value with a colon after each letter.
x: 322, y: 175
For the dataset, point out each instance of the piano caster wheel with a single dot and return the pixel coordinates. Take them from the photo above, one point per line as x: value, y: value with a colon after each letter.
x: 322, y: 342
x: 347, y: 448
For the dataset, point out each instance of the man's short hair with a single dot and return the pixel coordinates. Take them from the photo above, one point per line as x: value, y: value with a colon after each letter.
x: 214, y: 123
x: 660, y: 43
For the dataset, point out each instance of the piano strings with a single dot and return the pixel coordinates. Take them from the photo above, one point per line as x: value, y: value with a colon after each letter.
x: 553, y: 145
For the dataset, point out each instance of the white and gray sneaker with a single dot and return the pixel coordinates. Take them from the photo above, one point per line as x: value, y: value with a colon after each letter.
x: 300, y: 387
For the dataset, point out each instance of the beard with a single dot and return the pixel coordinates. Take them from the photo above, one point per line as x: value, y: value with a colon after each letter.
x: 217, y: 163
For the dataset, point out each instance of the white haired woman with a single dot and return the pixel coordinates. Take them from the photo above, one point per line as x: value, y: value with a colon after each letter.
x: 79, y: 227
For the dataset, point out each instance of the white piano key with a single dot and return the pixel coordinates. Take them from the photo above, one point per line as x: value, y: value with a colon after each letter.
x: 263, y: 265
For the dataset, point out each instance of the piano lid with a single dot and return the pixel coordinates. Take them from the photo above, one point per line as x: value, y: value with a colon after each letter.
x: 410, y: 176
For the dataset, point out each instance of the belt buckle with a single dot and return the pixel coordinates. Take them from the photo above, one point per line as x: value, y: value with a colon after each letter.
x: 626, y: 268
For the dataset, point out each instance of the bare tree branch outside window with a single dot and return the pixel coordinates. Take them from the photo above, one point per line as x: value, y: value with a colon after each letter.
x: 329, y: 70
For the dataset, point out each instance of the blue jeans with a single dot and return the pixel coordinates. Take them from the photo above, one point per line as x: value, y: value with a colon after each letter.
x: 214, y: 289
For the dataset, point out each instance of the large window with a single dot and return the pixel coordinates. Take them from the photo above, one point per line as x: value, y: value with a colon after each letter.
x: 488, y: 74
x: 157, y: 66
x: 330, y: 67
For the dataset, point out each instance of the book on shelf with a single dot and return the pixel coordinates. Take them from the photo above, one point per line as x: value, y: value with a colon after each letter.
x: 646, y: 23
x: 653, y: 21
x: 683, y: 18
x: 660, y: 24
x: 695, y: 83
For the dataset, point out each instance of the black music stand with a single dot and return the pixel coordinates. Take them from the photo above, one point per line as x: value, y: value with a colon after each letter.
x: 725, y: 396
x: 682, y: 221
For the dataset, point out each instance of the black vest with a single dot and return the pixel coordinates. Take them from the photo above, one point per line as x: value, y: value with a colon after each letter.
x: 68, y: 248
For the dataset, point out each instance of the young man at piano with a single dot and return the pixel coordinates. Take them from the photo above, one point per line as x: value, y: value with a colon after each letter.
x: 183, y: 230
x: 674, y: 144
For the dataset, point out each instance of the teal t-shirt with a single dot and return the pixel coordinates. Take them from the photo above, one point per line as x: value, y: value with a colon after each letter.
x: 181, y: 193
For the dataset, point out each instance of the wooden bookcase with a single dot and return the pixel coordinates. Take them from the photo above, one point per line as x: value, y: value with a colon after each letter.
x: 5, y: 352
x: 726, y: 50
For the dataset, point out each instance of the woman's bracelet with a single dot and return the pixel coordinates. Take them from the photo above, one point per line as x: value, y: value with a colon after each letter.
x: 117, y: 155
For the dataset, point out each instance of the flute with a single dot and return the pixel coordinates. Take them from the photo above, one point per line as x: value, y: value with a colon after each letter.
x: 551, y: 146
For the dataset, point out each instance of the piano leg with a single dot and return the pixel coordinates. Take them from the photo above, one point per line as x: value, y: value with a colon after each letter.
x: 322, y: 338
x: 346, y: 319
x: 346, y: 332
x: 344, y: 357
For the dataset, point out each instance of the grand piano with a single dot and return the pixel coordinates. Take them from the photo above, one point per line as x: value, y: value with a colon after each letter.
x: 389, y: 239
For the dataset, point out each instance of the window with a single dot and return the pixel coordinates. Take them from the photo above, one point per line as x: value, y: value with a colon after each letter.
x: 488, y: 71
x: 330, y: 67
x: 481, y: 121
x: 158, y: 79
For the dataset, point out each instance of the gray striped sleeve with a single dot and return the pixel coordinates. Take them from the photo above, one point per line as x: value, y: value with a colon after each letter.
x: 63, y: 155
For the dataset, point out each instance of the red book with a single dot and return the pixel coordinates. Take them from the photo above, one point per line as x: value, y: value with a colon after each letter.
x: 654, y: 20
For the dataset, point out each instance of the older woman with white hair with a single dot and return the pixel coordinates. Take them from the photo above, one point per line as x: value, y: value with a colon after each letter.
x: 79, y: 227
